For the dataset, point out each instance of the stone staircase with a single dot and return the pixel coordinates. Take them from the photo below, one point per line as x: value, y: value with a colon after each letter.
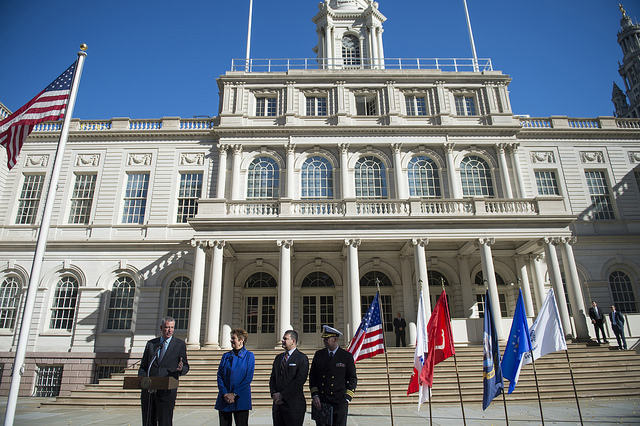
x: 597, y: 370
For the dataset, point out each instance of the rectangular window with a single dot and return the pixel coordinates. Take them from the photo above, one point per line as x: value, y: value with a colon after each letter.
x: 135, y: 198
x: 29, y: 199
x: 547, y: 183
x: 266, y: 107
x: 502, y: 298
x: 82, y: 199
x: 316, y: 106
x: 600, y: 196
x: 190, y: 192
x: 251, y: 318
x: 416, y: 105
x: 465, y: 105
x: 48, y: 380
x: 366, y: 105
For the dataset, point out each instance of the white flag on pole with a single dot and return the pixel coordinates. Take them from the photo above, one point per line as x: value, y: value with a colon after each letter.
x: 420, y: 355
x: 546, y: 331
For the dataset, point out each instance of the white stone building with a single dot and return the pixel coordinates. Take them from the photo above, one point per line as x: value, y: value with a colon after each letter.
x: 318, y: 179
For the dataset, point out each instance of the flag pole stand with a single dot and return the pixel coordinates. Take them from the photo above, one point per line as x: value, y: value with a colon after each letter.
x: 504, y: 400
x: 573, y: 382
x: 535, y: 376
x: 455, y: 361
x: 386, y: 358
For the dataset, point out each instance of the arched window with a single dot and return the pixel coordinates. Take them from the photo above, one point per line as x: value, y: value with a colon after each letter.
x: 9, y: 299
x: 263, y: 180
x: 436, y: 279
x: 318, y: 280
x: 260, y: 280
x: 370, y: 279
x: 317, y: 178
x: 371, y: 178
x: 475, y: 177
x: 63, y: 308
x: 479, y: 279
x: 622, y: 292
x: 179, y: 301
x: 423, y: 177
x: 351, y: 50
x: 120, y: 313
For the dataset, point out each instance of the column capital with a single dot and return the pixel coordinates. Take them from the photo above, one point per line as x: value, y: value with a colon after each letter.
x: 285, y: 243
x: 290, y: 147
x: 344, y: 148
x: 488, y: 241
x: 237, y: 149
x: 549, y: 240
x: 396, y: 148
x: 223, y: 148
x: 448, y: 147
x: 353, y: 242
x: 200, y: 243
x: 568, y: 240
x: 513, y: 146
x: 422, y: 242
x: 219, y: 244
x: 501, y: 146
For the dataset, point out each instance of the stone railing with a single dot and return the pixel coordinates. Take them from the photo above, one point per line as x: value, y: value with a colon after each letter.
x: 562, y: 122
x: 126, y: 124
x: 220, y: 208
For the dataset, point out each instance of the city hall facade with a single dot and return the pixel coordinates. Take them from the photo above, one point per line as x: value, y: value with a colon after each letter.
x: 319, y: 182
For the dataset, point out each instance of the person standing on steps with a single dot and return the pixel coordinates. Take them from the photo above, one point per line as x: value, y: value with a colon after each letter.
x: 617, y: 325
x: 399, y: 326
x: 597, y: 319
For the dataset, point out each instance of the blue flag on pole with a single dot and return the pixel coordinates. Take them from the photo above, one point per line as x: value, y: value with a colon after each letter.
x: 491, y: 369
x: 518, y: 344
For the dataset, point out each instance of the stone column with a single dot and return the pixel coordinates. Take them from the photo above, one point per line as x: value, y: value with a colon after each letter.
x: 222, y: 170
x: 489, y: 274
x: 556, y: 281
x: 345, y: 187
x: 354, y: 284
x: 537, y: 263
x: 504, y: 170
x: 291, y: 178
x: 466, y: 286
x: 524, y: 282
x: 284, y: 287
x: 408, y: 298
x: 215, y: 297
x: 236, y: 188
x: 454, y: 186
x: 374, y: 47
x: 574, y: 289
x: 226, y: 317
x: 420, y: 256
x: 401, y: 185
x: 328, y: 50
x: 380, y: 48
x: 522, y: 192
x: 197, y: 293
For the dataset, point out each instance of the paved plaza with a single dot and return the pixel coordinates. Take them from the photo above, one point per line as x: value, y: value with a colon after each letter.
x: 594, y: 412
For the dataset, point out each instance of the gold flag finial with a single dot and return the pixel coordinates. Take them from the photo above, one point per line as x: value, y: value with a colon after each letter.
x: 83, y: 47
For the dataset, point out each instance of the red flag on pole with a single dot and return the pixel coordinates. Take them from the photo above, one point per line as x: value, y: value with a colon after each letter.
x: 440, y: 339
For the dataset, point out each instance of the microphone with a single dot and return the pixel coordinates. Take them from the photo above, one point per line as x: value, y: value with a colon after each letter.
x: 157, y: 354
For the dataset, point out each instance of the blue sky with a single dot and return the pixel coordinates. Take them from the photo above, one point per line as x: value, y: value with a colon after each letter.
x: 153, y: 59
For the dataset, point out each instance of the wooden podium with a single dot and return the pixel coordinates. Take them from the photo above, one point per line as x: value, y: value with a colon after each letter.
x: 150, y: 383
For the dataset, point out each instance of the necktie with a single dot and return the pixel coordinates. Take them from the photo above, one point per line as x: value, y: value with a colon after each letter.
x: 285, y: 358
x: 330, y: 354
x: 163, y: 349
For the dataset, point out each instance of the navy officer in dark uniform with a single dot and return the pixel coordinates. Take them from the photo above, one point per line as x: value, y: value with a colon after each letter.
x: 332, y: 377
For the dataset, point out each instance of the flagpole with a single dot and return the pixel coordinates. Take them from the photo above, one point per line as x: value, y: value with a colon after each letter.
x: 246, y: 66
x: 573, y: 382
x: 386, y: 359
x: 504, y: 400
x: 535, y: 375
x: 36, y: 267
x: 455, y: 359
x: 473, y: 45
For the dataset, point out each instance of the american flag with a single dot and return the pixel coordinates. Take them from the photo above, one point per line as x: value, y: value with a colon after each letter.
x: 369, y: 339
x: 48, y: 105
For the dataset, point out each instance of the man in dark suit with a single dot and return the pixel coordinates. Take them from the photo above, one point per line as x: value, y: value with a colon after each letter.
x: 164, y: 356
x: 597, y: 319
x: 399, y: 326
x: 288, y: 376
x: 617, y: 325
x: 332, y: 378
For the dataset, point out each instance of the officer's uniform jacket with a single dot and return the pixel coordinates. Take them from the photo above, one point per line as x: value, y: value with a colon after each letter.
x: 333, y: 380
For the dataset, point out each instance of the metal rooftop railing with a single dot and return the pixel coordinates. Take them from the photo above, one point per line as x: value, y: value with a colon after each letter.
x: 283, y: 65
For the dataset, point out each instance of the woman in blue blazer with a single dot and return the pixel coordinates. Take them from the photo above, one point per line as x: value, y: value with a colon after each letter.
x: 235, y: 374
